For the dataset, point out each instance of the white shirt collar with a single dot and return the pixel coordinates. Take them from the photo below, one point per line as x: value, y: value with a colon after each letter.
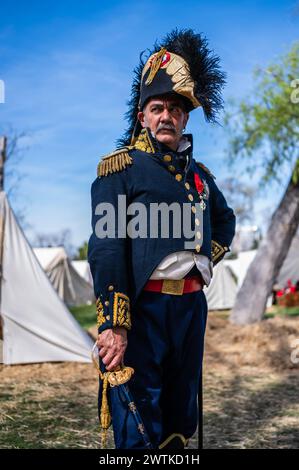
x: 184, y: 144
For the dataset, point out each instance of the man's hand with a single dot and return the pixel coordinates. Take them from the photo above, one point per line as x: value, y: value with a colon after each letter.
x: 112, y: 344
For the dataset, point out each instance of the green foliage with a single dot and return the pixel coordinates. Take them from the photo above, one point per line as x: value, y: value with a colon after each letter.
x: 82, y: 252
x: 264, y: 129
x: 85, y: 315
x: 279, y: 310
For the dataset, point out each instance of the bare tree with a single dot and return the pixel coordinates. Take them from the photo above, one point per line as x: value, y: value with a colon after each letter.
x: 241, y: 197
x: 62, y: 238
x: 10, y: 174
x: 3, y: 142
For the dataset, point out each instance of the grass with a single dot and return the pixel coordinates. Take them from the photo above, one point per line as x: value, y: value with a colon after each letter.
x: 289, y: 311
x: 250, y: 392
x: 250, y: 410
x: 56, y: 408
x: 85, y: 315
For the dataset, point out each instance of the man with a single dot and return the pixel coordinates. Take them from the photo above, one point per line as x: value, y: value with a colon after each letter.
x: 151, y: 306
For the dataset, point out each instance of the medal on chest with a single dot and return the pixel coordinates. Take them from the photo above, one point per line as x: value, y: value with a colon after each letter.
x: 202, y: 189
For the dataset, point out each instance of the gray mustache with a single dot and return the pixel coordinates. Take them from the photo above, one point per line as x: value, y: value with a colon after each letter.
x: 166, y: 126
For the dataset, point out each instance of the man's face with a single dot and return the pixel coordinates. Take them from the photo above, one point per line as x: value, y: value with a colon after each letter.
x: 166, y: 117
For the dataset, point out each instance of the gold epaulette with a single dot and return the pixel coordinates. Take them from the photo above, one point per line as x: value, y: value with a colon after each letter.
x: 115, y: 161
x: 205, y: 169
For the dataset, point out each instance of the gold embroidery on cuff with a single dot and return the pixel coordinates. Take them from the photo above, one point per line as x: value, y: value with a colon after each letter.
x: 218, y: 251
x: 121, y: 311
x: 100, y: 313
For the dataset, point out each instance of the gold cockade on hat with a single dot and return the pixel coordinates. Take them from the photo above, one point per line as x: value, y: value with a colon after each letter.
x: 177, y: 68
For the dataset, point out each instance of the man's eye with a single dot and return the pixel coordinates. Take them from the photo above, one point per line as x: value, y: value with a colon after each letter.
x: 175, y: 109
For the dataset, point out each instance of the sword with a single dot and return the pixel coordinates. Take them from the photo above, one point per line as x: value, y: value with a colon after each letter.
x: 118, y: 378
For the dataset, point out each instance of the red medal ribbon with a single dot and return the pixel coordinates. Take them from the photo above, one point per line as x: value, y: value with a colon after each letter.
x: 198, y: 183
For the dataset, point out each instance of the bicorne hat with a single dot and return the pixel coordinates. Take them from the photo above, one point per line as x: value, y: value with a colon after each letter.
x: 181, y: 64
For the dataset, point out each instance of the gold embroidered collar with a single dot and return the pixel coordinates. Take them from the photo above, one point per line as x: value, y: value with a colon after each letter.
x: 145, y: 142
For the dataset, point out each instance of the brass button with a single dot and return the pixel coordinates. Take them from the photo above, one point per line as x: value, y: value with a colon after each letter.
x: 190, y: 197
x: 110, y: 288
x: 187, y: 186
x: 107, y: 303
x: 108, y: 317
x: 178, y: 177
x: 167, y: 158
x: 197, y: 221
x: 198, y: 234
x: 193, y: 208
x: 197, y: 248
x: 171, y: 168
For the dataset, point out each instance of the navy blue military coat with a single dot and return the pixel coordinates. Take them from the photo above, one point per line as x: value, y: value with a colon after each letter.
x: 148, y: 173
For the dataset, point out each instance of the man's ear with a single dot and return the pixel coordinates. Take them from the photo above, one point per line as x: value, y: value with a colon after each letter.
x: 140, y: 117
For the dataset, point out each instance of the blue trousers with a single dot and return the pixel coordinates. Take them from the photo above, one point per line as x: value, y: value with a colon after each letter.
x: 165, y: 348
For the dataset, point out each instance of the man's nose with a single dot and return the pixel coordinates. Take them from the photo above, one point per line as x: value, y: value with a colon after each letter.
x: 165, y: 116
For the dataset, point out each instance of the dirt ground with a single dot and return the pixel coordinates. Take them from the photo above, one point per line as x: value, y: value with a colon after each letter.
x: 250, y: 393
x: 251, y: 385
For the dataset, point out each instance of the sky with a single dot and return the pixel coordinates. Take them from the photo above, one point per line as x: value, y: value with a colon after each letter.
x: 67, y: 68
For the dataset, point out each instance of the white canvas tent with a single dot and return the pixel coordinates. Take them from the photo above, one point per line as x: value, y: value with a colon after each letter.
x: 72, y: 288
x: 37, y: 326
x: 222, y: 290
x: 240, y: 265
x: 288, y: 270
x: 290, y: 267
x: 82, y: 268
